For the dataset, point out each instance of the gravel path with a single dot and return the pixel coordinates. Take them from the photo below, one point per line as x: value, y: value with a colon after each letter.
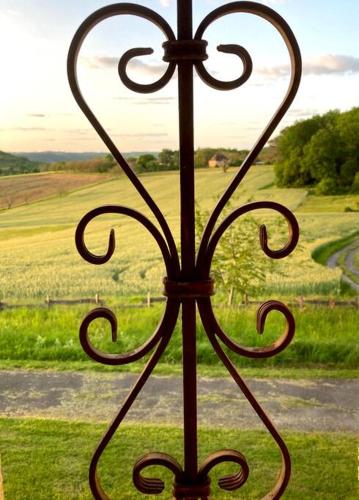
x: 308, y: 405
x: 349, y: 262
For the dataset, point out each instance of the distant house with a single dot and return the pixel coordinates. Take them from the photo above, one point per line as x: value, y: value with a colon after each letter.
x: 218, y: 160
x: 259, y: 162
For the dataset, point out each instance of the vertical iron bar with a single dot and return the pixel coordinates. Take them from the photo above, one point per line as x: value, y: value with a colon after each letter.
x: 186, y: 148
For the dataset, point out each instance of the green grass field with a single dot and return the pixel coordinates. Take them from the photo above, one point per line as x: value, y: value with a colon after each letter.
x: 38, y: 252
x: 36, y: 336
x: 49, y: 459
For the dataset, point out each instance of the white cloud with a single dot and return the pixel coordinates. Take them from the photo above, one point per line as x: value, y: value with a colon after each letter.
x: 147, y: 69
x: 135, y: 65
x: 301, y: 113
x: 165, y: 3
x: 328, y: 64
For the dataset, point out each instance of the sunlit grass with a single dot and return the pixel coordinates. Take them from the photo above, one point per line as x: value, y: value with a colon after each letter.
x: 324, y: 337
x: 330, y: 204
x: 49, y: 459
x: 38, y: 252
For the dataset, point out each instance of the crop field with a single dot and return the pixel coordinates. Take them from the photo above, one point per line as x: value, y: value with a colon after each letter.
x: 38, y: 253
x: 338, y: 203
x: 38, y: 258
x: 22, y: 189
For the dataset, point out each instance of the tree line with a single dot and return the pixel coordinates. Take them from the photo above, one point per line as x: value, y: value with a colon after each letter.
x: 321, y: 152
x: 102, y: 164
x: 168, y: 159
x: 13, y: 165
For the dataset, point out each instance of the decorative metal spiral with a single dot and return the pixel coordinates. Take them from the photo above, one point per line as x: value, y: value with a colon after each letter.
x: 200, y: 287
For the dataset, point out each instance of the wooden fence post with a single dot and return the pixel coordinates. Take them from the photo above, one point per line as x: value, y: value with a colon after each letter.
x: 148, y: 299
x: 331, y: 303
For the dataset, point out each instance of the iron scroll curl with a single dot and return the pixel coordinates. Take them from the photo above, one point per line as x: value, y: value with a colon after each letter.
x: 75, y: 46
x: 105, y: 313
x: 203, y: 266
x: 200, y: 288
x: 291, y: 43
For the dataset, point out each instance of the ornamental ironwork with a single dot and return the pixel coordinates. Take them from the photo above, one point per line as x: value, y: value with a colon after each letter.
x: 188, y: 283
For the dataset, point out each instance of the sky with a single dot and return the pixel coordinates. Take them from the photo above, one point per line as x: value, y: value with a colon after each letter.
x: 39, y: 113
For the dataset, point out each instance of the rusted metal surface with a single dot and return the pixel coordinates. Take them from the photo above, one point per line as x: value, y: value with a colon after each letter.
x: 188, y: 283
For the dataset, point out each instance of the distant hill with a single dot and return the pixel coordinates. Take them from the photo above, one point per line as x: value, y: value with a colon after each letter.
x: 11, y: 164
x: 57, y: 156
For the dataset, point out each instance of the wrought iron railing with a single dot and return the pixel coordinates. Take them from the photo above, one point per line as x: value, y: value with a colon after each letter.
x: 188, y: 281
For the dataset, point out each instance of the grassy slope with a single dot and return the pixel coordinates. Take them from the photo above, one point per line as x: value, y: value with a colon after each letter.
x: 10, y: 164
x: 28, y: 188
x: 49, y: 338
x: 49, y: 459
x: 53, y: 266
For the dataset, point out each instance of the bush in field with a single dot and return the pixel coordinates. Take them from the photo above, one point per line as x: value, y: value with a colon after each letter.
x: 238, y: 263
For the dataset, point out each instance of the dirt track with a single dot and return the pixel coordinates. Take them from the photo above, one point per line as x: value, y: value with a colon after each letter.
x: 349, y: 262
x: 308, y: 405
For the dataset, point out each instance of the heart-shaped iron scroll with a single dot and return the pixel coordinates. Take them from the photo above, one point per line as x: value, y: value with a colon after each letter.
x: 188, y: 51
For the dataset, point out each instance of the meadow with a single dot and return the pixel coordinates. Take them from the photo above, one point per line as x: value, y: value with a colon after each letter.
x: 45, y: 458
x: 38, y: 252
x: 27, y: 188
x: 48, y: 338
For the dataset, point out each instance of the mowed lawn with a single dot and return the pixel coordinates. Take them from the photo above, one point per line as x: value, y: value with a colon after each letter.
x: 38, y: 252
x: 49, y: 459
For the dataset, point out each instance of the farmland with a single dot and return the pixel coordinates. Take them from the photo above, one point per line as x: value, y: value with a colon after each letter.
x: 38, y: 255
x: 28, y: 188
x: 38, y: 252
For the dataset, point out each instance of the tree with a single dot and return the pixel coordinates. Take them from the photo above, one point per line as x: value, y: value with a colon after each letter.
x: 290, y: 144
x: 168, y: 159
x: 146, y: 163
x: 322, y: 151
x: 239, y: 265
x: 324, y: 155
